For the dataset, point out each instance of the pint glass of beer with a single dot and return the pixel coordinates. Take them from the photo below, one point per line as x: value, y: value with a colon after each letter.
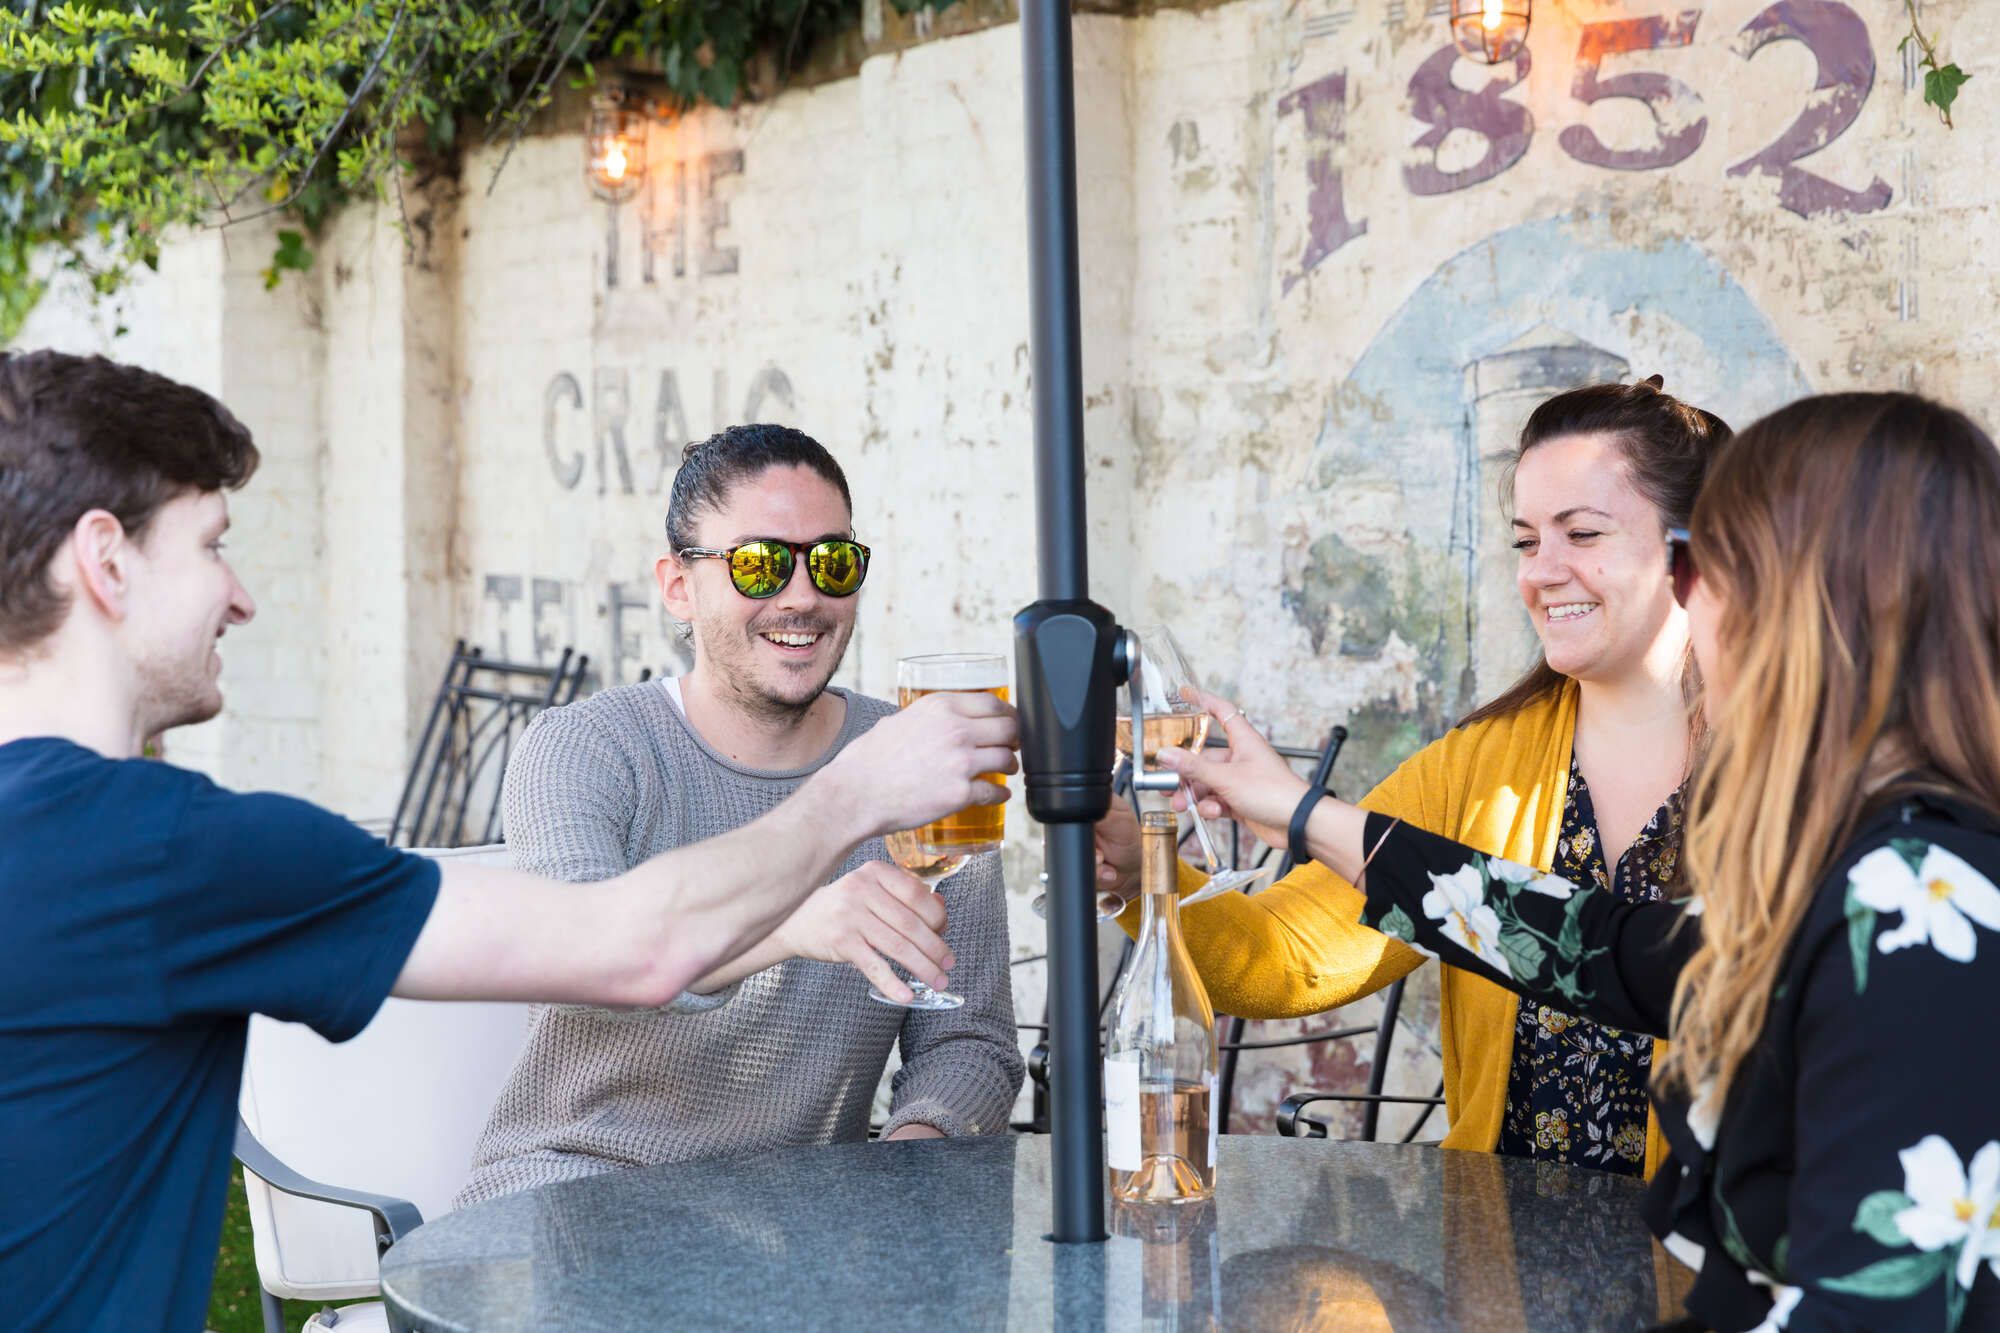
x: 977, y: 828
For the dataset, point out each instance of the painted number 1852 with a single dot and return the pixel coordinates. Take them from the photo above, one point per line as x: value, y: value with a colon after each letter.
x: 1836, y: 36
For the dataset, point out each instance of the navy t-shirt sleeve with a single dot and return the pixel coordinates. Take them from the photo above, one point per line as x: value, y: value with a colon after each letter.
x: 277, y: 907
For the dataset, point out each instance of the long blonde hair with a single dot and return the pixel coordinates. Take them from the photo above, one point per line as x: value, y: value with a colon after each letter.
x: 1853, y: 543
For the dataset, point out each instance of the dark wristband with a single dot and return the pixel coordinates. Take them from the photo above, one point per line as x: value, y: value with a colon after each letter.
x: 1295, y: 835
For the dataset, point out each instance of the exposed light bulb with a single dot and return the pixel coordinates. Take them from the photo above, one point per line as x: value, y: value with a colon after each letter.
x: 1490, y: 20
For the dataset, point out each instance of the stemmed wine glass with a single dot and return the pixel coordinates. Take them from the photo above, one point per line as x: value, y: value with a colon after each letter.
x: 930, y: 863
x: 1168, y: 689
x: 1174, y: 719
x: 943, y: 846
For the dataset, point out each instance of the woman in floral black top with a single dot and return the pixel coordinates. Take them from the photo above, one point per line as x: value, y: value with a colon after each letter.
x: 1832, y: 1092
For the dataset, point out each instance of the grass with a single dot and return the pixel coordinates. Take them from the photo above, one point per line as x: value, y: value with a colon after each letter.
x: 234, y: 1305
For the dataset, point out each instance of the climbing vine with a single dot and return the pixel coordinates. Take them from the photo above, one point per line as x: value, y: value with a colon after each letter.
x: 120, y: 121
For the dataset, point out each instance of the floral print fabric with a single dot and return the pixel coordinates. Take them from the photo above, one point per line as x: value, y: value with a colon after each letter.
x: 1850, y: 1178
x: 1577, y: 1089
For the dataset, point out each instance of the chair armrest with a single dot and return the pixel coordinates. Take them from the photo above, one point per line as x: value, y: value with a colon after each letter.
x: 394, y: 1218
x: 1292, y: 1127
x: 1304, y: 1039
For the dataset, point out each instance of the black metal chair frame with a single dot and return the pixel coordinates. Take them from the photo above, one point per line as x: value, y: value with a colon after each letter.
x: 1232, y: 1045
x: 1290, y: 1123
x: 460, y: 741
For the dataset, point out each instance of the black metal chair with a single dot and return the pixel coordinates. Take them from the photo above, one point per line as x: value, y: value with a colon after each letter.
x: 1290, y: 1123
x: 1233, y: 1044
x: 481, y: 708
x: 1293, y: 1124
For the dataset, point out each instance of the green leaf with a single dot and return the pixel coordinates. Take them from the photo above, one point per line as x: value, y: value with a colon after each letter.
x: 1913, y: 851
x: 1941, y: 86
x: 1569, y: 940
x: 1733, y: 1242
x: 1524, y: 954
x: 1893, y: 1279
x: 1860, y: 935
x: 292, y: 253
x: 1397, y: 925
x: 1876, y: 1217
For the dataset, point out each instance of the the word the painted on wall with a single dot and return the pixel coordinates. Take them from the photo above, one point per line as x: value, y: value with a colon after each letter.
x: 1835, y: 35
x: 601, y: 432
x: 683, y: 210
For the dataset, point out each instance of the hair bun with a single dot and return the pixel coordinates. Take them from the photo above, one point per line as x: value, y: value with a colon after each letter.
x: 1655, y: 382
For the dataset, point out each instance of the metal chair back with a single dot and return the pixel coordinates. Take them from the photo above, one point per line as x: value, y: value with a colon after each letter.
x: 452, y: 795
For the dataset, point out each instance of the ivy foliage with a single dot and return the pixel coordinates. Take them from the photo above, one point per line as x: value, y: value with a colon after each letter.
x: 120, y: 121
x: 1941, y: 82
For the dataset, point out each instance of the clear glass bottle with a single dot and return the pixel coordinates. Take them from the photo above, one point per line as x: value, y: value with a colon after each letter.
x: 1164, y: 1266
x: 1159, y: 1065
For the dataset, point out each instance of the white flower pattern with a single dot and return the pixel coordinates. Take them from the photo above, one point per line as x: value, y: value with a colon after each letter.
x: 1549, y: 886
x: 1935, y: 900
x: 1458, y: 903
x: 1952, y: 1204
x: 1784, y: 1300
x: 1704, y: 1115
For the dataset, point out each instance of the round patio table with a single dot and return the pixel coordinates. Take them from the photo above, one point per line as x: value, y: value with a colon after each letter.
x: 1303, y: 1233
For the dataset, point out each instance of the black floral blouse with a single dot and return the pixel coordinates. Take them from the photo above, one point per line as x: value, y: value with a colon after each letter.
x: 1577, y: 1090
x: 1852, y: 1178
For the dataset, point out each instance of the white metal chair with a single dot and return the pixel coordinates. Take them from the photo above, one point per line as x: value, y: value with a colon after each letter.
x: 349, y: 1147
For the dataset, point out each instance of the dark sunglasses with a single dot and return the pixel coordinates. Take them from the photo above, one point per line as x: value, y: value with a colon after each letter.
x: 762, y: 566
x: 1680, y: 564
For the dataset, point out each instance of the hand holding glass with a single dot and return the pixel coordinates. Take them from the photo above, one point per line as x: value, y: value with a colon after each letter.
x: 931, y: 864
x: 977, y: 828
x: 942, y: 847
x: 1175, y: 719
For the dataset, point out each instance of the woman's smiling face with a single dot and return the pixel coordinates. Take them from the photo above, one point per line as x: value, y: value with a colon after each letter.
x: 1592, y: 559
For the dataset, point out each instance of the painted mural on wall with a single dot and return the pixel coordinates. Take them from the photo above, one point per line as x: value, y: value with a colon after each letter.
x: 1415, y: 250
x: 1433, y: 407
x: 1430, y: 409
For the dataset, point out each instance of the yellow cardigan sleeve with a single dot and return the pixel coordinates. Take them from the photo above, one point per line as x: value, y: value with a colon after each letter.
x: 1299, y: 947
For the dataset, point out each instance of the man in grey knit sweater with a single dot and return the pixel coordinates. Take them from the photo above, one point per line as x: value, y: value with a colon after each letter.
x: 781, y: 1046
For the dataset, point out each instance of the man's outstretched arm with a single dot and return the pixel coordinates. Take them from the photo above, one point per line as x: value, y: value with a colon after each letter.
x: 643, y: 937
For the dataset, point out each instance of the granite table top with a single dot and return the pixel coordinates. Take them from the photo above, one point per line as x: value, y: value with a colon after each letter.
x: 951, y: 1234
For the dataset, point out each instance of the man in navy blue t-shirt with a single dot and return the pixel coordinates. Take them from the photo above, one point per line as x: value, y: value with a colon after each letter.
x: 145, y: 913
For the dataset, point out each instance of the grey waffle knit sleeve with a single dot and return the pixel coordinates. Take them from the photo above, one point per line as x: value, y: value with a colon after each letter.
x: 568, y: 800
x: 962, y: 1067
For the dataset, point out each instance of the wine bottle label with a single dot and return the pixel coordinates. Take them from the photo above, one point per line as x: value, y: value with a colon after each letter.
x: 1214, y: 1117
x: 1121, y: 1112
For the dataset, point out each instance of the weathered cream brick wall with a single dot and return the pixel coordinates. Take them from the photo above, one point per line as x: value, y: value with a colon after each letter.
x: 1326, y: 273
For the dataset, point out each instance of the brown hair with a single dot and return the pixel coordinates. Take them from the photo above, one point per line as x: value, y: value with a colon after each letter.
x: 81, y: 433
x: 1667, y: 444
x: 1853, y: 543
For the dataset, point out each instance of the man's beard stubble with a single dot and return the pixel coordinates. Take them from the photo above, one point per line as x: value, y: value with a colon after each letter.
x: 176, y: 694
x: 744, y: 685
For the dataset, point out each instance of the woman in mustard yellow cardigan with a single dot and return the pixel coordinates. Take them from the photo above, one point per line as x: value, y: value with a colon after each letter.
x: 1577, y: 768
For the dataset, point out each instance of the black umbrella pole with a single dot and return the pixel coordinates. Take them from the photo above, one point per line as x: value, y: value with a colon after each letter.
x: 1065, y: 671
x: 1055, y: 338
x: 1076, y: 1077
